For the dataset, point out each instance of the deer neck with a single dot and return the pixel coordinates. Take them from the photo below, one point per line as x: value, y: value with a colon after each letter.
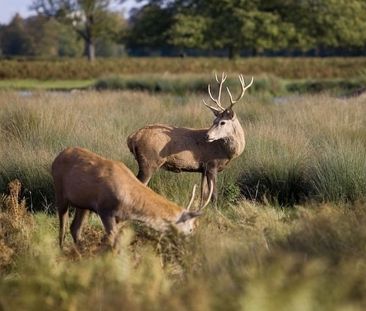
x: 156, y: 211
x: 234, y: 144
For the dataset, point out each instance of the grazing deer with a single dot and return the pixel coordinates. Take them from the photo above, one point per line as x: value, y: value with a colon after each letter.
x: 180, y: 149
x: 89, y: 182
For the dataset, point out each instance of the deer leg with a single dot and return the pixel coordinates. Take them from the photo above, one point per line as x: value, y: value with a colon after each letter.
x: 62, y: 208
x: 212, y: 178
x: 77, y: 224
x: 110, y: 227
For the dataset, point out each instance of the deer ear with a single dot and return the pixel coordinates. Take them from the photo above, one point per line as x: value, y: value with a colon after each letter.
x: 229, y: 113
x: 187, y: 216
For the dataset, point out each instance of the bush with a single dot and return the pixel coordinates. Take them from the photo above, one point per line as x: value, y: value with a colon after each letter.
x: 286, y: 68
x: 16, y: 226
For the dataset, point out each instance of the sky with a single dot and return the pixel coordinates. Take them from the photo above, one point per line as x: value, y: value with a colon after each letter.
x: 8, y: 8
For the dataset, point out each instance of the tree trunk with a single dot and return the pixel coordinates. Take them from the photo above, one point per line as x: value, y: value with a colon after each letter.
x: 90, y: 50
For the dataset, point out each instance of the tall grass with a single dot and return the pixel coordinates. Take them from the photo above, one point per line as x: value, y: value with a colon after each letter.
x: 308, y: 147
x: 246, y: 257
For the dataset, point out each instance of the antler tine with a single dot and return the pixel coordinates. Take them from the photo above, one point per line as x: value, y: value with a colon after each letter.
x: 217, y: 79
x: 243, y: 87
x: 217, y: 101
x: 223, y: 77
x: 212, y: 108
x: 192, y: 197
x: 209, y: 196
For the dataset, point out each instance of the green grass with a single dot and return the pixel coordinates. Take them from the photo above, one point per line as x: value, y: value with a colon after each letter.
x: 250, y: 253
x: 311, y: 147
x: 246, y: 257
x: 45, y: 85
x: 266, y: 85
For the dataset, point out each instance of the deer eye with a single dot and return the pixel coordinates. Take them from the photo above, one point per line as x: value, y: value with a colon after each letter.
x: 222, y: 123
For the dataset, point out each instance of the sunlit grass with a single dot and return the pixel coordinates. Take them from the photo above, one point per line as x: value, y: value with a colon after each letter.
x: 310, y: 147
x: 251, y: 253
x: 245, y: 257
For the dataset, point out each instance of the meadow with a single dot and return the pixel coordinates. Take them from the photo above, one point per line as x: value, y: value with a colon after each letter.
x: 288, y: 232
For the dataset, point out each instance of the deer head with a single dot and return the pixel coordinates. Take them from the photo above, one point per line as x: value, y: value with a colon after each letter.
x: 225, y: 123
x: 187, y: 221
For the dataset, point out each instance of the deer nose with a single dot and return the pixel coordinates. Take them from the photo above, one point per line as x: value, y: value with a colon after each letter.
x: 207, y: 137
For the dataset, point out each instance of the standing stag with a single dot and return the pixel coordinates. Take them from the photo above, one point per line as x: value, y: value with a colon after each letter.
x: 89, y: 182
x: 180, y: 149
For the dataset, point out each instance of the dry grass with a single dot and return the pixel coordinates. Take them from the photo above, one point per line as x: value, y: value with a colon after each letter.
x: 246, y: 255
x: 306, y: 147
x: 298, y: 68
x: 16, y: 226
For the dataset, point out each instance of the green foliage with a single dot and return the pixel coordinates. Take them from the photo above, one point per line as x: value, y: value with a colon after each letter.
x: 265, y: 85
x: 155, y: 84
x: 91, y: 19
x: 325, y: 23
x: 14, y: 38
x: 40, y: 37
x: 334, y: 86
x: 150, y: 26
x: 253, y: 26
x: 188, y: 31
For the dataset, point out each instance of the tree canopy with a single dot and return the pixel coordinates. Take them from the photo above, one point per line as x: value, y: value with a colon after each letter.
x: 232, y: 27
x: 91, y: 19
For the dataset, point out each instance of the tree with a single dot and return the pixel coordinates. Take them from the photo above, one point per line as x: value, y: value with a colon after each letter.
x: 240, y: 24
x: 15, y: 39
x: 324, y: 23
x: 188, y: 31
x: 209, y: 24
x: 49, y: 38
x: 149, y: 26
x: 91, y: 19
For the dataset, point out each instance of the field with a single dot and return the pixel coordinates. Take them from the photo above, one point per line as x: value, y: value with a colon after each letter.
x: 289, y: 231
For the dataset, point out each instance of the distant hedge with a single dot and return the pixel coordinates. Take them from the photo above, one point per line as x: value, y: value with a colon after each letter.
x: 268, y: 84
x: 287, y: 68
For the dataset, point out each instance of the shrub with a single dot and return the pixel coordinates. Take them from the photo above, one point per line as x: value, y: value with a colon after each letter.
x: 16, y: 226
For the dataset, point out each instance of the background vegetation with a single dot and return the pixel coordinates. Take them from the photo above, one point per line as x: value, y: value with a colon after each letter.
x: 70, y: 28
x: 287, y: 68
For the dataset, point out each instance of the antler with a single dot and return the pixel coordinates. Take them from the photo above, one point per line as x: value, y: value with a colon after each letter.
x: 218, y: 100
x: 192, y: 197
x: 243, y: 87
x: 209, y: 196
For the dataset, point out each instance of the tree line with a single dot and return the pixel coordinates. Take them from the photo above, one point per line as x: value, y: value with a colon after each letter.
x: 90, y: 27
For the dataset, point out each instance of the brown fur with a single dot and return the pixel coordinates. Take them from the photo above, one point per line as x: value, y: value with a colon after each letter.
x: 186, y: 150
x: 90, y: 182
